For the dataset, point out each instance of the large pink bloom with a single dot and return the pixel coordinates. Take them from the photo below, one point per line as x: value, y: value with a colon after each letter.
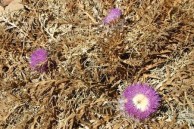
x: 141, y: 100
x: 113, y: 15
x: 38, y: 59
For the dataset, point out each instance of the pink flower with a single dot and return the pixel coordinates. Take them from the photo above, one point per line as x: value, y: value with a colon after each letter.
x: 113, y: 15
x: 38, y: 60
x: 140, y: 100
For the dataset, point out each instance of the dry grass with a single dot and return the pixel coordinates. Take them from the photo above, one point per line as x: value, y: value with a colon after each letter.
x: 91, y: 64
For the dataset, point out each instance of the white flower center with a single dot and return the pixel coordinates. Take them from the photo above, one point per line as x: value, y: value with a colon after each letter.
x: 141, y: 102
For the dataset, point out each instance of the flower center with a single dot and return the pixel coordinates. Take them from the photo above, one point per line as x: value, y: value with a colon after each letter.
x: 141, y: 102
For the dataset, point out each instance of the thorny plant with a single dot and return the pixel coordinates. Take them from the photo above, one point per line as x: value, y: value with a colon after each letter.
x: 152, y: 42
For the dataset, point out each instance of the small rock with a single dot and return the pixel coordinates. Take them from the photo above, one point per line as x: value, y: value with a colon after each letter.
x: 1, y: 10
x: 13, y: 6
x: 6, y: 2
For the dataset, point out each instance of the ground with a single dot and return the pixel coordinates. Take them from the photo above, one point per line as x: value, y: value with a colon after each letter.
x: 90, y: 64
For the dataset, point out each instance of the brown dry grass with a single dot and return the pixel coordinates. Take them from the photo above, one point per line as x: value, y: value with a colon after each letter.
x: 91, y: 64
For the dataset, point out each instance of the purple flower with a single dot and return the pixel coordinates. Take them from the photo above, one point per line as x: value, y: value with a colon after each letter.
x: 112, y: 15
x: 140, y: 100
x: 38, y: 60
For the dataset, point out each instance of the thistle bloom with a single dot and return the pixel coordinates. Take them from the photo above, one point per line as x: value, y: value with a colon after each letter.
x: 38, y: 60
x: 141, y: 100
x: 112, y: 15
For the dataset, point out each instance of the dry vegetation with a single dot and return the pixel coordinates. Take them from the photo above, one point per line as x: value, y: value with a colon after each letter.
x: 90, y: 64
